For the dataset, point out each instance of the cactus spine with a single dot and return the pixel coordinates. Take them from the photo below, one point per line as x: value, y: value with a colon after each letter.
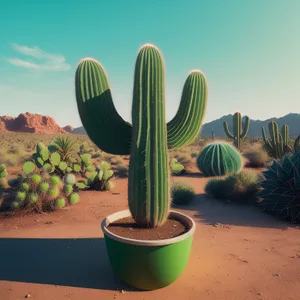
x: 239, y: 130
x: 149, y: 137
x: 277, y: 145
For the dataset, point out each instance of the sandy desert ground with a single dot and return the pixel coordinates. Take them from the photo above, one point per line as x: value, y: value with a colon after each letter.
x: 238, y: 253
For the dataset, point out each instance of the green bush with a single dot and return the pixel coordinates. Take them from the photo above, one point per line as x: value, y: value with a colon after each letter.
x: 256, y: 156
x: 241, y: 187
x: 182, y: 193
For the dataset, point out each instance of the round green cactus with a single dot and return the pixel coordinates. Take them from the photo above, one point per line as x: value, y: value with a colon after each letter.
x: 60, y: 203
x: 68, y: 189
x: 21, y: 196
x: 15, y: 205
x: 74, y: 198
x: 69, y: 179
x: 24, y: 186
x: 55, y: 180
x: 218, y: 159
x: 53, y: 193
x: 44, y: 186
x: 36, y: 178
x: 33, y: 197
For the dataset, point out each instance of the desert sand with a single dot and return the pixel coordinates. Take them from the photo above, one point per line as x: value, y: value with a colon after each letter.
x: 238, y: 253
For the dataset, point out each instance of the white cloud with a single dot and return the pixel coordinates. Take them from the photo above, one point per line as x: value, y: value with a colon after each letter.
x: 46, y: 61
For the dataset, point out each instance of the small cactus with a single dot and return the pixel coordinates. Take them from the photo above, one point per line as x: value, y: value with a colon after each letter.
x: 277, y: 145
x: 218, y: 159
x: 53, y: 193
x: 74, y: 198
x: 36, y: 178
x: 60, y: 203
x: 55, y: 180
x: 44, y: 187
x: 33, y: 198
x: 239, y: 130
x: 24, y: 187
x: 21, y: 196
x: 69, y: 179
x: 68, y: 189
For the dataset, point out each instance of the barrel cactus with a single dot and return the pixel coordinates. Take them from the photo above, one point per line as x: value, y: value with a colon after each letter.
x: 218, y: 159
x: 148, y: 139
x: 280, y: 193
x: 239, y: 130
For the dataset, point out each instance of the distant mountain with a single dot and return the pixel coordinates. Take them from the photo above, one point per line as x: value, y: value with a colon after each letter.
x: 292, y: 120
x: 34, y: 123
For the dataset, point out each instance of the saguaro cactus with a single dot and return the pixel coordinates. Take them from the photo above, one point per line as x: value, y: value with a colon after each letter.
x: 239, y: 130
x: 277, y: 145
x: 149, y: 137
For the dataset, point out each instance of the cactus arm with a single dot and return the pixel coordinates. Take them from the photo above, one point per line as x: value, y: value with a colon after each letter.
x: 246, y: 127
x: 226, y: 129
x: 185, y: 126
x: 237, y: 128
x: 285, y: 134
x: 103, y: 124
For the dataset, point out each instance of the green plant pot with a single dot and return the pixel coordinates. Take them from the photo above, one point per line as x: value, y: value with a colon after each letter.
x: 148, y: 265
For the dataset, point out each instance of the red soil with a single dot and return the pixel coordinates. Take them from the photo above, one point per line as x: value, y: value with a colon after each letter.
x: 238, y: 253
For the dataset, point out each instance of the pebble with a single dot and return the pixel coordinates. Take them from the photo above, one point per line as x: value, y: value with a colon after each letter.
x: 28, y: 296
x: 277, y: 274
x: 123, y: 291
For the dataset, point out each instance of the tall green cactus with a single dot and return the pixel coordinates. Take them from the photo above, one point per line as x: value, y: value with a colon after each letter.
x: 278, y: 143
x: 239, y: 130
x: 149, y: 137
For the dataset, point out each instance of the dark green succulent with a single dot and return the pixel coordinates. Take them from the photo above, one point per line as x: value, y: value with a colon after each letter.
x: 280, y: 194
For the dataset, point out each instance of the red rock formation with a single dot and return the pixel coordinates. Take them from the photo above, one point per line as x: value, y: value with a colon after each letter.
x: 68, y: 128
x: 32, y: 123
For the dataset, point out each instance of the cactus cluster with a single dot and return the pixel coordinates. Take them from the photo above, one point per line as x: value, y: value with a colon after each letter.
x: 278, y: 143
x: 83, y: 165
x: 176, y: 167
x: 40, y: 192
x: 3, y: 175
x: 240, y: 130
x: 149, y: 137
x: 99, y: 180
x: 218, y: 159
x: 50, y: 161
x: 280, y: 192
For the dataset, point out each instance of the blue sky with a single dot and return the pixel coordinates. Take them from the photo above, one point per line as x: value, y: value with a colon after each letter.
x: 249, y: 51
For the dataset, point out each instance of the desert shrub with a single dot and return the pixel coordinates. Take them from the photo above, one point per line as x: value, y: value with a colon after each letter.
x: 116, y: 160
x: 121, y: 170
x: 95, y: 155
x: 241, y: 187
x: 182, y: 193
x: 38, y: 192
x: 256, y: 156
x: 65, y: 146
x: 219, y: 159
x: 3, y: 175
x: 176, y: 167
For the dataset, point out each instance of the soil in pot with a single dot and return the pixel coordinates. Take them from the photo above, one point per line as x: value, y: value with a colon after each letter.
x: 128, y: 228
